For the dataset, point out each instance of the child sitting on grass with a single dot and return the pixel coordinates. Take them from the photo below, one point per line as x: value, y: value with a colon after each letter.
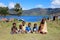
x: 14, y: 29
x: 20, y: 29
x: 28, y: 29
x: 43, y: 27
x: 35, y: 28
x: 23, y: 25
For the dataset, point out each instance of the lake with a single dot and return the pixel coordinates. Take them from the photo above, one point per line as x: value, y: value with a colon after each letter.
x: 26, y: 18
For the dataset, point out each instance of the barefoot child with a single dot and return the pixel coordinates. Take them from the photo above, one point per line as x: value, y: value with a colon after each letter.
x: 28, y: 29
x: 35, y: 28
x: 14, y: 29
x: 43, y: 27
x: 23, y: 25
x: 20, y: 29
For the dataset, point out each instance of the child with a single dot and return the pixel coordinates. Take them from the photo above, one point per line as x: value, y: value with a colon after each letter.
x: 28, y: 29
x: 35, y: 28
x: 23, y: 25
x: 43, y: 27
x: 20, y: 29
x: 14, y: 29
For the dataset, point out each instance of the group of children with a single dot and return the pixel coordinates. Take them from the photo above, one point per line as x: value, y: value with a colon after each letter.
x: 27, y: 29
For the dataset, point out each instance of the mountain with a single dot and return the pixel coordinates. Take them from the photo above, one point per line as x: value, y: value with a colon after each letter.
x: 38, y: 11
x: 53, y: 11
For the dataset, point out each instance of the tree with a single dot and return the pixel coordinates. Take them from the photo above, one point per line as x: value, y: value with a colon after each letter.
x: 4, y: 11
x: 18, y: 9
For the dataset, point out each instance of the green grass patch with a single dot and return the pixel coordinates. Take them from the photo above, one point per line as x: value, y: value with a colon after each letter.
x: 53, y: 32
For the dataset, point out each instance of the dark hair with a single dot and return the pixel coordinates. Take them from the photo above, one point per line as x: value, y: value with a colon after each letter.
x: 43, y: 20
x: 20, y: 26
x: 35, y: 24
x: 23, y: 21
x: 14, y: 23
x: 29, y: 24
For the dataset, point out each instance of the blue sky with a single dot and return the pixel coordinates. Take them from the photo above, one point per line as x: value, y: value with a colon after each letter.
x: 29, y: 4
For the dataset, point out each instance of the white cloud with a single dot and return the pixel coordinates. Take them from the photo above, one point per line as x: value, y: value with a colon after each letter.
x: 55, y: 4
x: 24, y: 8
x: 11, y: 5
x: 40, y: 6
x: 2, y: 5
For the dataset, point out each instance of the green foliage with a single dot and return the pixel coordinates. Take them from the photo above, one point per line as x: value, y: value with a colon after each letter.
x: 15, y: 19
x: 17, y: 6
x: 4, y: 11
x: 18, y: 9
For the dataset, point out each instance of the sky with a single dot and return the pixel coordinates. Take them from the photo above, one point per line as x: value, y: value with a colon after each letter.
x: 29, y: 4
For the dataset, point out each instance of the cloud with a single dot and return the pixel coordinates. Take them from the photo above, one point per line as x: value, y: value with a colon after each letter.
x: 55, y: 4
x: 24, y: 9
x: 39, y: 5
x: 11, y: 5
x: 2, y: 5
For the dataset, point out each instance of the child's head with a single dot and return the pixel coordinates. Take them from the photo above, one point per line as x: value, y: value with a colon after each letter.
x: 35, y: 25
x: 20, y: 26
x: 44, y: 19
x: 14, y: 24
x: 23, y: 23
x: 29, y: 24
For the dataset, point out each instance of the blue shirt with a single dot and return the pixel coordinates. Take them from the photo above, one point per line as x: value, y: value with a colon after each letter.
x: 28, y: 29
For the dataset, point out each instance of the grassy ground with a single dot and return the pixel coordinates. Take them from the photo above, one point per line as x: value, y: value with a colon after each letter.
x: 53, y: 32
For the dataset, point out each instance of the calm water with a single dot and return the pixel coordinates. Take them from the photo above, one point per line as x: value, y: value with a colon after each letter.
x: 26, y: 18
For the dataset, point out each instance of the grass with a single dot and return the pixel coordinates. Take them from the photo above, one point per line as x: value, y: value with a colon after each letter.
x: 53, y: 32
